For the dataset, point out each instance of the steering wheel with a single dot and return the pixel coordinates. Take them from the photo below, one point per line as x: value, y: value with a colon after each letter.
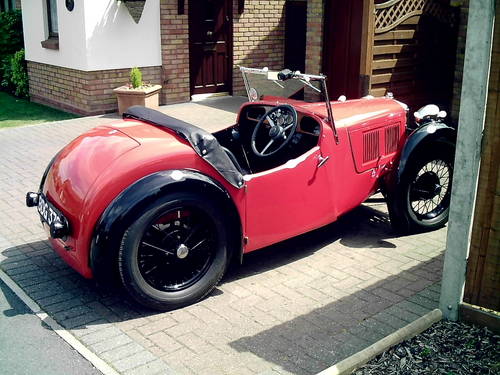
x: 276, y: 128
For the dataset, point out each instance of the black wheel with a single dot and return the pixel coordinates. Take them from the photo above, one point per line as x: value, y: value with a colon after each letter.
x: 422, y: 199
x: 175, y: 253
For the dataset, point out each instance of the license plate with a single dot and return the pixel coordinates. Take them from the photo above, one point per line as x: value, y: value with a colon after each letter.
x: 47, y: 212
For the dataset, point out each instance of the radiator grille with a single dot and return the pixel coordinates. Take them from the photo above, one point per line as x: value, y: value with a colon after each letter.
x: 371, y: 144
x: 391, y: 139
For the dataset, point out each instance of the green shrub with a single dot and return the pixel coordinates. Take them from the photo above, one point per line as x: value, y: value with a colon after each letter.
x: 135, y: 78
x: 19, y: 77
x: 11, y: 33
x: 11, y: 40
x: 6, y: 73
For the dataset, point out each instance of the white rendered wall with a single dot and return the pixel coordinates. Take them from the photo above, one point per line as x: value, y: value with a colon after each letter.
x: 71, y: 53
x: 115, y: 41
x: 96, y: 35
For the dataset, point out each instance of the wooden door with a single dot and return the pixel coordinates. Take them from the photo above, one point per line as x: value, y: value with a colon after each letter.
x: 343, y: 36
x: 210, y: 45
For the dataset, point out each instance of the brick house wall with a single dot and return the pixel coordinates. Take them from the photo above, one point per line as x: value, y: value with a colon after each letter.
x: 174, y: 31
x: 482, y: 285
x: 85, y: 93
x: 314, y: 49
x: 259, y: 37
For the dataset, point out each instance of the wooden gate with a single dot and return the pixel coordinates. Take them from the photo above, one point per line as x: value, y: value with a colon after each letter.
x: 410, y: 50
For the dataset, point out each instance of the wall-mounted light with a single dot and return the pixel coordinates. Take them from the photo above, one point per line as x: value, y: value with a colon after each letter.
x: 70, y: 5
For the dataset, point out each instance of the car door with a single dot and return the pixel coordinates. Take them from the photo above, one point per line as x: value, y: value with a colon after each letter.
x: 288, y: 200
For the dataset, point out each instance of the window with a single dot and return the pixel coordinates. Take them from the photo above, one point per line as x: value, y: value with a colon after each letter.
x: 52, y: 26
x: 6, y: 5
x: 52, y: 18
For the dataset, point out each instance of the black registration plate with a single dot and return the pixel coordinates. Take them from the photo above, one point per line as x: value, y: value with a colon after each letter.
x: 48, y: 213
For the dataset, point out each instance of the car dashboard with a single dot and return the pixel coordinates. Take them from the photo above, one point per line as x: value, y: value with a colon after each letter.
x: 237, y: 139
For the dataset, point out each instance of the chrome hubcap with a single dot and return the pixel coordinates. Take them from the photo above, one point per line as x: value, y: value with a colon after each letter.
x: 182, y: 251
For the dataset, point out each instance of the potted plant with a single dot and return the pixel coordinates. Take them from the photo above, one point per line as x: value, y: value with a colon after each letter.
x: 137, y: 93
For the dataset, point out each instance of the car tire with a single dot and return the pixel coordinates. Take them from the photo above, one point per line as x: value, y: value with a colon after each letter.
x: 421, y: 200
x: 175, y: 252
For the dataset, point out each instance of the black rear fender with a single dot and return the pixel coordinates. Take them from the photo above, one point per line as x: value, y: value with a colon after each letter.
x: 126, y: 207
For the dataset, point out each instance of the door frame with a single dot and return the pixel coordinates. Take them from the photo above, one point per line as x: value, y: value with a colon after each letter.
x: 228, y: 4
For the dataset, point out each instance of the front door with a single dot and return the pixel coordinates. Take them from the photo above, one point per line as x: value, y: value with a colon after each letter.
x: 210, y: 45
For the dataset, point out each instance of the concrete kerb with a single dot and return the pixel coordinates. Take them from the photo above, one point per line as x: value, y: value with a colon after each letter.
x: 97, y: 362
x: 348, y: 365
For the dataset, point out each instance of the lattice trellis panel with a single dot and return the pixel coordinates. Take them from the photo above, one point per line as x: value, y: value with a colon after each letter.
x: 392, y: 13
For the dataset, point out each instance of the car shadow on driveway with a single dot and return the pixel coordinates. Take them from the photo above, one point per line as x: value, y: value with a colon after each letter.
x: 363, y: 227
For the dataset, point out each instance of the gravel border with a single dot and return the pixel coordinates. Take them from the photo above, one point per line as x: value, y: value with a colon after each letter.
x: 449, y: 348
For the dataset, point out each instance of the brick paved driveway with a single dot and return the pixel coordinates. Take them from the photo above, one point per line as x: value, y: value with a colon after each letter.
x: 294, y: 308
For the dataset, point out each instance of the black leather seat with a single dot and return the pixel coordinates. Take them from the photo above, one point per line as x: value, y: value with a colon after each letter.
x: 234, y: 160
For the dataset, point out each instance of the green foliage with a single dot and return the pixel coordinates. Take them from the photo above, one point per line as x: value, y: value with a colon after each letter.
x: 19, y: 77
x: 11, y: 32
x: 135, y: 77
x: 6, y: 73
x: 426, y: 352
x: 11, y: 40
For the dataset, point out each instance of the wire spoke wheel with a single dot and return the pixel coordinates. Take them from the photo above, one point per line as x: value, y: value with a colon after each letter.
x: 430, y: 188
x: 421, y: 200
x: 176, y: 249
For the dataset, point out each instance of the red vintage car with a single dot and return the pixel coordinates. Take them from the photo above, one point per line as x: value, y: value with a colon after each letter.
x: 165, y: 205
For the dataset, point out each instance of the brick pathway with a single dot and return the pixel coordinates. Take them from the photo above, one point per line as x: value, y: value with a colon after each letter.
x: 294, y: 308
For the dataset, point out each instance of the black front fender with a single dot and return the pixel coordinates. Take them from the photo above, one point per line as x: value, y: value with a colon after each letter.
x: 126, y: 207
x: 432, y: 132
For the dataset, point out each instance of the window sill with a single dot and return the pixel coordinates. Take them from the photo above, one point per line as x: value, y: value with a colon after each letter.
x: 51, y: 43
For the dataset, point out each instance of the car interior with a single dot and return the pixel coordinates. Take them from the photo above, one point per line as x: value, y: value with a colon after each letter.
x: 236, y: 140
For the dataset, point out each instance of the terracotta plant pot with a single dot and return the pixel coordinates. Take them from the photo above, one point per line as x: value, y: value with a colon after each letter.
x: 146, y: 96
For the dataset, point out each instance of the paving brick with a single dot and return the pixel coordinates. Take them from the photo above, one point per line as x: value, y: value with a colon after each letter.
x: 102, y: 334
x: 414, y: 308
x: 159, y: 325
x: 424, y: 301
x: 391, y: 320
x: 111, y: 343
x: 165, y: 342
x: 124, y: 351
x: 151, y: 368
x: 80, y: 320
x: 134, y: 361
